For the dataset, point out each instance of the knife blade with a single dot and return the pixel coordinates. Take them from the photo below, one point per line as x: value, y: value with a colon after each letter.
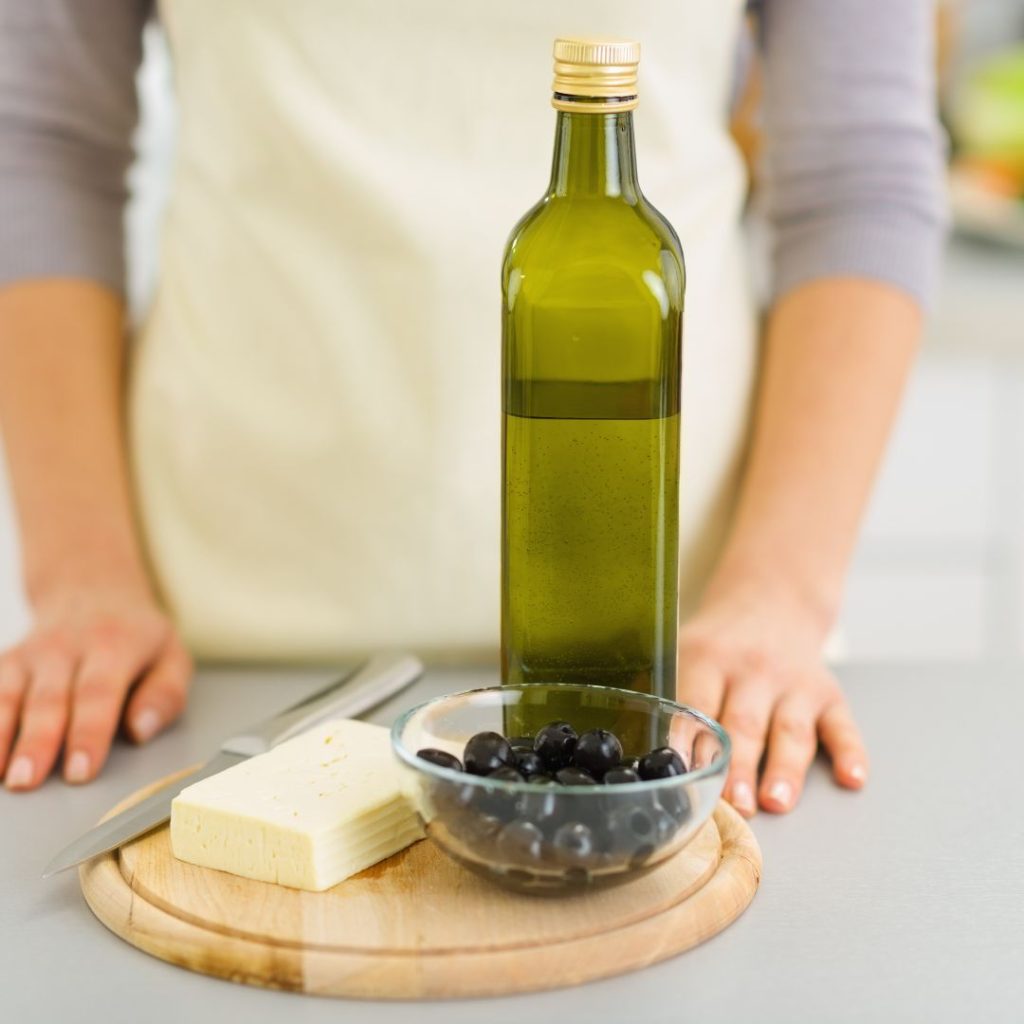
x: 353, y: 694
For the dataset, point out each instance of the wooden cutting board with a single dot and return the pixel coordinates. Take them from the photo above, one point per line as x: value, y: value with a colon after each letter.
x: 418, y: 926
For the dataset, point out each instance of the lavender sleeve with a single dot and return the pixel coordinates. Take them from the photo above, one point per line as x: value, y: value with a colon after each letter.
x: 67, y: 112
x: 853, y: 156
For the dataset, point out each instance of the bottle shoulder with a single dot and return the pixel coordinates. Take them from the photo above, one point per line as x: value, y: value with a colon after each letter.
x: 595, y: 235
x: 666, y: 233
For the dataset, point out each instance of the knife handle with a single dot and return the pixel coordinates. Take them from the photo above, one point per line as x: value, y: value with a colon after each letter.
x: 381, y: 677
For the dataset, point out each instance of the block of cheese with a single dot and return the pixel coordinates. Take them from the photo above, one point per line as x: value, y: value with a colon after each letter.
x: 307, y: 814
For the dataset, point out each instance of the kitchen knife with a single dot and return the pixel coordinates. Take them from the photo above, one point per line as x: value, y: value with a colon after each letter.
x: 371, y: 684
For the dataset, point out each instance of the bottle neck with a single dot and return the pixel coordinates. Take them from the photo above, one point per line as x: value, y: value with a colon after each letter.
x: 594, y: 156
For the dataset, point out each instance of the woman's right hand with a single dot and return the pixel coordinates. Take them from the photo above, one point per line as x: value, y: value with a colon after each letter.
x: 96, y: 656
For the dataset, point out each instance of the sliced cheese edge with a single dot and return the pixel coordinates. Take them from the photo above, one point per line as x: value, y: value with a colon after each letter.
x: 308, y: 814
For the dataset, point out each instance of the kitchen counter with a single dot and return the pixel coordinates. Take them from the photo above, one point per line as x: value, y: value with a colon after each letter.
x: 902, y: 903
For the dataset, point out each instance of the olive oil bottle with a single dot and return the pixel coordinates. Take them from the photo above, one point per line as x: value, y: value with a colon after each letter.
x: 593, y: 285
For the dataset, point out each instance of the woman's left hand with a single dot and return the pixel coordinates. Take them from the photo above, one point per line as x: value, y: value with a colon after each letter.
x: 752, y: 658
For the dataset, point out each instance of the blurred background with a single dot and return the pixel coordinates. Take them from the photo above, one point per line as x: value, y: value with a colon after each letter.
x: 939, y: 574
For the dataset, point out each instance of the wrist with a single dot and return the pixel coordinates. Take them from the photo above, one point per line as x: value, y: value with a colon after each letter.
x: 85, y: 564
x: 764, y: 577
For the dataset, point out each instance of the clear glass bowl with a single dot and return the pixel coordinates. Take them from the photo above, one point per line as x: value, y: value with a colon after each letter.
x: 514, y: 832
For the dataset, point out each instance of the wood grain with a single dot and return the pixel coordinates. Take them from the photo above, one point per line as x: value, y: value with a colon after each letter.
x: 418, y: 925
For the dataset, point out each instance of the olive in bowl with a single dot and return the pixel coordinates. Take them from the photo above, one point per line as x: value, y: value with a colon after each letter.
x: 620, y: 781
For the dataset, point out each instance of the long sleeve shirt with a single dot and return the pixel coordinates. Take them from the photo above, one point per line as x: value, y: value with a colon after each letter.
x: 851, y: 167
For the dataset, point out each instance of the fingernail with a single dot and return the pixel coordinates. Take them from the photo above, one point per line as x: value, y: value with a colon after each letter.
x: 743, y: 797
x: 146, y: 723
x: 19, y: 774
x: 781, y: 792
x: 77, y: 768
x: 857, y: 772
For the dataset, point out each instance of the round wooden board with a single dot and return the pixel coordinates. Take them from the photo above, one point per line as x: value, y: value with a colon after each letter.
x: 418, y: 926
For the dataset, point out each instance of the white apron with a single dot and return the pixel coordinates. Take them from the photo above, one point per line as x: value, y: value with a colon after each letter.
x: 316, y: 390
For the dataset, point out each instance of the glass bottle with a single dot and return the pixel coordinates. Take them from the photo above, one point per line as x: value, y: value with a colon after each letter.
x: 592, y: 283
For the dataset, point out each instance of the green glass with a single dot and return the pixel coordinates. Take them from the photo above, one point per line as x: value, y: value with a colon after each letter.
x: 593, y: 284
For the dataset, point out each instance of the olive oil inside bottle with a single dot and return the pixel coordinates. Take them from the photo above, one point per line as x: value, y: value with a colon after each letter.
x: 590, y: 508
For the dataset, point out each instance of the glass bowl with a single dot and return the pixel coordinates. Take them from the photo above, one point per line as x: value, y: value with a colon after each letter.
x: 551, y: 838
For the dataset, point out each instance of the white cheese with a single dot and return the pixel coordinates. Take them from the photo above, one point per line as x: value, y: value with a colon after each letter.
x: 307, y: 814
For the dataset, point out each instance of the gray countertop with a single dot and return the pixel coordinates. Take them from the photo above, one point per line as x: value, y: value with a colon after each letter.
x: 905, y: 902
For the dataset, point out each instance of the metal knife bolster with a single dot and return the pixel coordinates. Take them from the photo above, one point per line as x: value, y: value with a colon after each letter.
x: 381, y: 677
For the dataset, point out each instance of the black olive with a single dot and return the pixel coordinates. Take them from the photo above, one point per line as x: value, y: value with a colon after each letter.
x: 555, y: 744
x: 575, y: 777
x: 574, y: 844
x: 591, y: 811
x: 496, y: 800
x: 662, y: 763
x: 528, y: 763
x: 629, y: 828
x: 675, y: 801
x: 545, y: 808
x: 441, y: 758
x: 633, y: 763
x: 665, y: 826
x: 506, y: 773
x: 476, y: 829
x: 450, y: 802
x: 519, y: 842
x: 494, y: 804
x: 620, y: 776
x: 486, y: 752
x: 641, y: 854
x: 597, y: 751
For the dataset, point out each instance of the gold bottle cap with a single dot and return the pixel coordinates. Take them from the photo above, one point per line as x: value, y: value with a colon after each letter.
x: 595, y: 75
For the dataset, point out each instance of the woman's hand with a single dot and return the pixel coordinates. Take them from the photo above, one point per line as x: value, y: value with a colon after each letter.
x: 751, y: 657
x: 71, y: 681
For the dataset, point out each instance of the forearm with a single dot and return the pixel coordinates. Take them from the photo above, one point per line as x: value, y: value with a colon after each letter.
x: 836, y: 357
x: 61, y: 410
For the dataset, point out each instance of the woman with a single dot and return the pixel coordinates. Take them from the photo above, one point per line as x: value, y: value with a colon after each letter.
x: 312, y: 403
